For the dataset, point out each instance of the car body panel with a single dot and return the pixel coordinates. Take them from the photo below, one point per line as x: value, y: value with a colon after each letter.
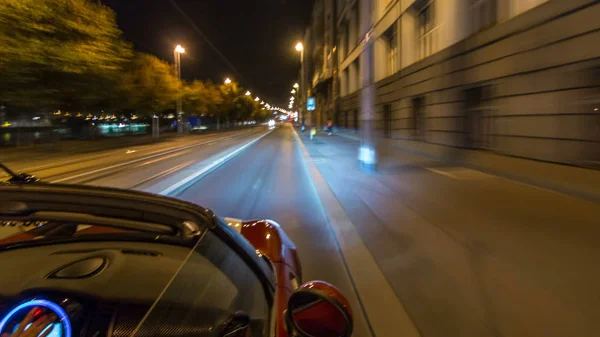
x: 269, y: 239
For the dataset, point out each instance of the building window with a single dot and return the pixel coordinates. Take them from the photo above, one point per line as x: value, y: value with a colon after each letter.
x: 482, y: 13
x: 387, y: 121
x: 346, y: 119
x: 391, y: 38
x: 427, y: 30
x: 418, y: 107
x: 478, y: 112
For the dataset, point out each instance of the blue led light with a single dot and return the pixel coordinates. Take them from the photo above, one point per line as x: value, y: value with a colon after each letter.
x: 62, y: 315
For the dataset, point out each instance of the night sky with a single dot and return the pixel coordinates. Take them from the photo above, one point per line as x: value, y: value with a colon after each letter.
x: 256, y: 36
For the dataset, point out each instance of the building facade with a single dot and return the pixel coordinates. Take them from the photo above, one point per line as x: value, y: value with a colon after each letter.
x: 320, y: 63
x: 518, y: 77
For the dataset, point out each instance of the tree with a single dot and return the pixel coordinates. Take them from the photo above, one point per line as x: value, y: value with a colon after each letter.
x: 230, y: 93
x: 59, y: 52
x: 148, y: 85
x: 243, y: 108
x: 260, y: 114
x: 202, y: 98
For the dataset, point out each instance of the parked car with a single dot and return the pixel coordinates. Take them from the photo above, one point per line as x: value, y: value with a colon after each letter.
x: 92, y: 261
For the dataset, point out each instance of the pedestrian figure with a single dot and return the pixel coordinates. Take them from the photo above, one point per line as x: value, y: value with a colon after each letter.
x: 313, y: 132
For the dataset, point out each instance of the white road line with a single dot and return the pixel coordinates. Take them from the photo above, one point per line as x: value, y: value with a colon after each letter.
x: 384, y: 311
x: 161, y: 158
x: 139, y: 159
x: 441, y: 172
x: 214, y: 164
x: 165, y: 172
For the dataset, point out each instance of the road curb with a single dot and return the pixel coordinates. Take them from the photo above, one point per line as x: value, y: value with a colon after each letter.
x: 563, y: 179
x: 384, y: 313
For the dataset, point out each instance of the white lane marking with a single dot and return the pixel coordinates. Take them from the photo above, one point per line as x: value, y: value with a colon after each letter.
x: 214, y: 164
x: 140, y: 159
x: 460, y: 173
x: 165, y: 172
x: 439, y: 172
x: 162, y: 158
x: 382, y: 307
x: 130, y: 151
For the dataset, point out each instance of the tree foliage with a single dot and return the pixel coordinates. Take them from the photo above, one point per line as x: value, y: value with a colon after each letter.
x: 148, y: 85
x: 54, y: 51
x: 70, y: 55
x: 202, y: 98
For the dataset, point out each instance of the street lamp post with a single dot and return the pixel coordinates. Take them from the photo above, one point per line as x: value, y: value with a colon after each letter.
x: 177, y: 59
x: 300, y: 48
x: 229, y: 92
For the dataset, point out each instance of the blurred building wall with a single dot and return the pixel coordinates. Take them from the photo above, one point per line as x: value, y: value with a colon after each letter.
x: 321, y: 62
x: 519, y: 77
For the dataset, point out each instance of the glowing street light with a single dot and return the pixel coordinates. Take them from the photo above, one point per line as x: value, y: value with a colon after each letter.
x: 299, y: 46
x: 296, y: 85
x: 177, y: 58
x: 262, y: 103
x: 293, y: 91
x: 227, y: 80
x: 248, y: 93
x: 257, y: 99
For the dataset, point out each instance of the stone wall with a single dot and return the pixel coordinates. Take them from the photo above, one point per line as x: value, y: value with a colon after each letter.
x: 527, y: 87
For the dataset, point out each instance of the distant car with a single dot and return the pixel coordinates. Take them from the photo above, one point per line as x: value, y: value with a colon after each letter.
x: 106, y: 262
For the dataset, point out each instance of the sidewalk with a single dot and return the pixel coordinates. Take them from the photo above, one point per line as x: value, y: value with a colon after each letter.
x: 467, y: 253
x: 576, y: 181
